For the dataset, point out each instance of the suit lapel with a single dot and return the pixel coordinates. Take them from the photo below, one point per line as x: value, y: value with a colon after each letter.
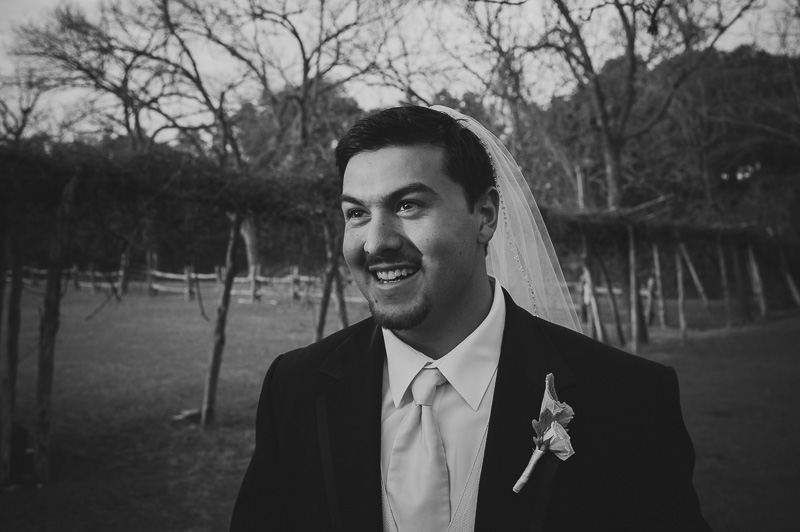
x: 349, y: 433
x: 526, y: 357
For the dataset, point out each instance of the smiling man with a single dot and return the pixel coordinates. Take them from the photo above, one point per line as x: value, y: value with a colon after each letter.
x: 415, y: 244
x: 419, y: 419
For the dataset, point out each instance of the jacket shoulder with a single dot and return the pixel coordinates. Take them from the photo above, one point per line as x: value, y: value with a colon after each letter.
x: 591, y: 359
x: 310, y: 357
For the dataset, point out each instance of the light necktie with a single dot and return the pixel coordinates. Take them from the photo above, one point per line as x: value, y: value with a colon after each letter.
x: 417, y: 483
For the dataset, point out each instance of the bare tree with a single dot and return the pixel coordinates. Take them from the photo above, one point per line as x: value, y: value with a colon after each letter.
x: 327, y: 42
x: 20, y: 106
x: 583, y: 36
x: 105, y: 60
x: 20, y: 97
x: 186, y: 67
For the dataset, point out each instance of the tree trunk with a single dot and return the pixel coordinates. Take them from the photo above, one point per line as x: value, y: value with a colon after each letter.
x: 707, y: 179
x: 695, y: 278
x: 633, y: 288
x: 14, y: 260
x: 758, y: 284
x: 612, y: 159
x: 210, y: 392
x: 649, y: 314
x: 612, y: 299
x: 787, y: 275
x: 339, y: 287
x: 660, y: 307
x: 331, y: 266
x: 6, y: 417
x: 644, y: 334
x: 742, y: 293
x: 327, y: 286
x: 598, y: 328
x: 9, y: 359
x: 48, y: 329
x: 150, y: 265
x: 723, y: 277
x: 125, y: 270
x: 681, y: 298
x: 249, y: 232
x: 632, y: 291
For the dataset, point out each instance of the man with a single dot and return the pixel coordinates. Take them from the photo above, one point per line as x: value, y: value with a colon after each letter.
x: 345, y: 439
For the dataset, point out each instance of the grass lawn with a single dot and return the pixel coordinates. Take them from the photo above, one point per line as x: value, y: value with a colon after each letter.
x: 120, y: 464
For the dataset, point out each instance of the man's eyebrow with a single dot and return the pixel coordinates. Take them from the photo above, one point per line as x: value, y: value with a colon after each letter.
x: 346, y: 198
x: 396, y: 194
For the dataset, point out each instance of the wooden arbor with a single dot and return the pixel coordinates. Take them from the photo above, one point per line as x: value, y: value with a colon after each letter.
x: 647, y: 252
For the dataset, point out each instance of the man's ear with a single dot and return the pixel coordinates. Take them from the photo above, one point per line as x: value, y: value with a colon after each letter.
x: 488, y: 207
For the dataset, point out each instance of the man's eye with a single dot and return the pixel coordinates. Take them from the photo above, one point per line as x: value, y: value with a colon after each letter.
x: 353, y: 214
x: 405, y: 205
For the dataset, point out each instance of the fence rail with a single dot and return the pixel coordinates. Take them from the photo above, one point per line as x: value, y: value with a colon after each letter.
x: 93, y: 279
x: 186, y: 283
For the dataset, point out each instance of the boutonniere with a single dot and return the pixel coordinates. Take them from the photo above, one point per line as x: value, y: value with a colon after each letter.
x: 551, y: 432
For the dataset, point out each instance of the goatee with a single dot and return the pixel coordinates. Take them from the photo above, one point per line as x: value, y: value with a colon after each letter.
x: 402, y: 320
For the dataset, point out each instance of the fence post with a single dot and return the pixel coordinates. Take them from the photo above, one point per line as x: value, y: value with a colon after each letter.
x: 723, y: 277
x: 660, y: 307
x: 633, y: 287
x: 150, y: 266
x: 681, y: 296
x: 612, y: 299
x: 696, y: 279
x: 220, y: 271
x: 92, y: 280
x: 188, y: 293
x: 295, y: 282
x: 650, y: 289
x: 255, y: 297
x: 340, y: 298
x: 740, y: 271
x: 76, y: 281
x: 598, y: 329
x: 755, y: 278
x: 787, y: 275
x: 124, y: 271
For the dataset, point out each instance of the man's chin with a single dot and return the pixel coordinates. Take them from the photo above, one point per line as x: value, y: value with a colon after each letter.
x: 400, y: 320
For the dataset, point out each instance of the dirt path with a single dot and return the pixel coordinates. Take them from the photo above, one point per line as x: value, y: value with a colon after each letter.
x: 741, y: 396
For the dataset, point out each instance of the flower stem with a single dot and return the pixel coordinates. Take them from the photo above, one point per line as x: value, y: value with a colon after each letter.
x: 528, y: 470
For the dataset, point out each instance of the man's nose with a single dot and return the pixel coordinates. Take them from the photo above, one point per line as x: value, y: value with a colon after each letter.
x: 382, y: 235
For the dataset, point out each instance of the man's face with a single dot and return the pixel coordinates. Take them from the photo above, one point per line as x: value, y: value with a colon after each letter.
x: 414, y: 248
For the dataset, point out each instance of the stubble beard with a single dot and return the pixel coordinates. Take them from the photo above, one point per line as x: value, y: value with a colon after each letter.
x: 401, y: 320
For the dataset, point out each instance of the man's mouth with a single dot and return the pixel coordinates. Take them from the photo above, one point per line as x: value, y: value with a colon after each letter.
x: 394, y: 276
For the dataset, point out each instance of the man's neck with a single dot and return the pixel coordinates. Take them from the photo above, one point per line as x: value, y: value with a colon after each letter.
x: 435, y: 340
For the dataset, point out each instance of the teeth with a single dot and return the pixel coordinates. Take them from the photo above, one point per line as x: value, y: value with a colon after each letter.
x: 393, y: 275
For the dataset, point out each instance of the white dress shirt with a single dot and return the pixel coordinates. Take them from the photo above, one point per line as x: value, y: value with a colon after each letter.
x: 461, y: 405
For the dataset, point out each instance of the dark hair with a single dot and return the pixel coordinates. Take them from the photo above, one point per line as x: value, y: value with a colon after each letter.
x: 466, y: 161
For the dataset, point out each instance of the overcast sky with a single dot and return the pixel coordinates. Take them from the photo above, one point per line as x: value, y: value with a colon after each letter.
x: 16, y: 12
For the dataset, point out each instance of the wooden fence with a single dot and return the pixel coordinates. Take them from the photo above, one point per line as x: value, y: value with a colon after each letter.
x: 648, y: 300
x: 249, y: 289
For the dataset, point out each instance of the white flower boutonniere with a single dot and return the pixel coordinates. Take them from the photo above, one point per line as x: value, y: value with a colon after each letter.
x: 551, y: 433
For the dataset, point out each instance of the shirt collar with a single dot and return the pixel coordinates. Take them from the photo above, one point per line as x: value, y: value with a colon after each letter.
x: 468, y: 367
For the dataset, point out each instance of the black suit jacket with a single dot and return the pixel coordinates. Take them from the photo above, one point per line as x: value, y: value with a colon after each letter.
x: 316, y: 464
